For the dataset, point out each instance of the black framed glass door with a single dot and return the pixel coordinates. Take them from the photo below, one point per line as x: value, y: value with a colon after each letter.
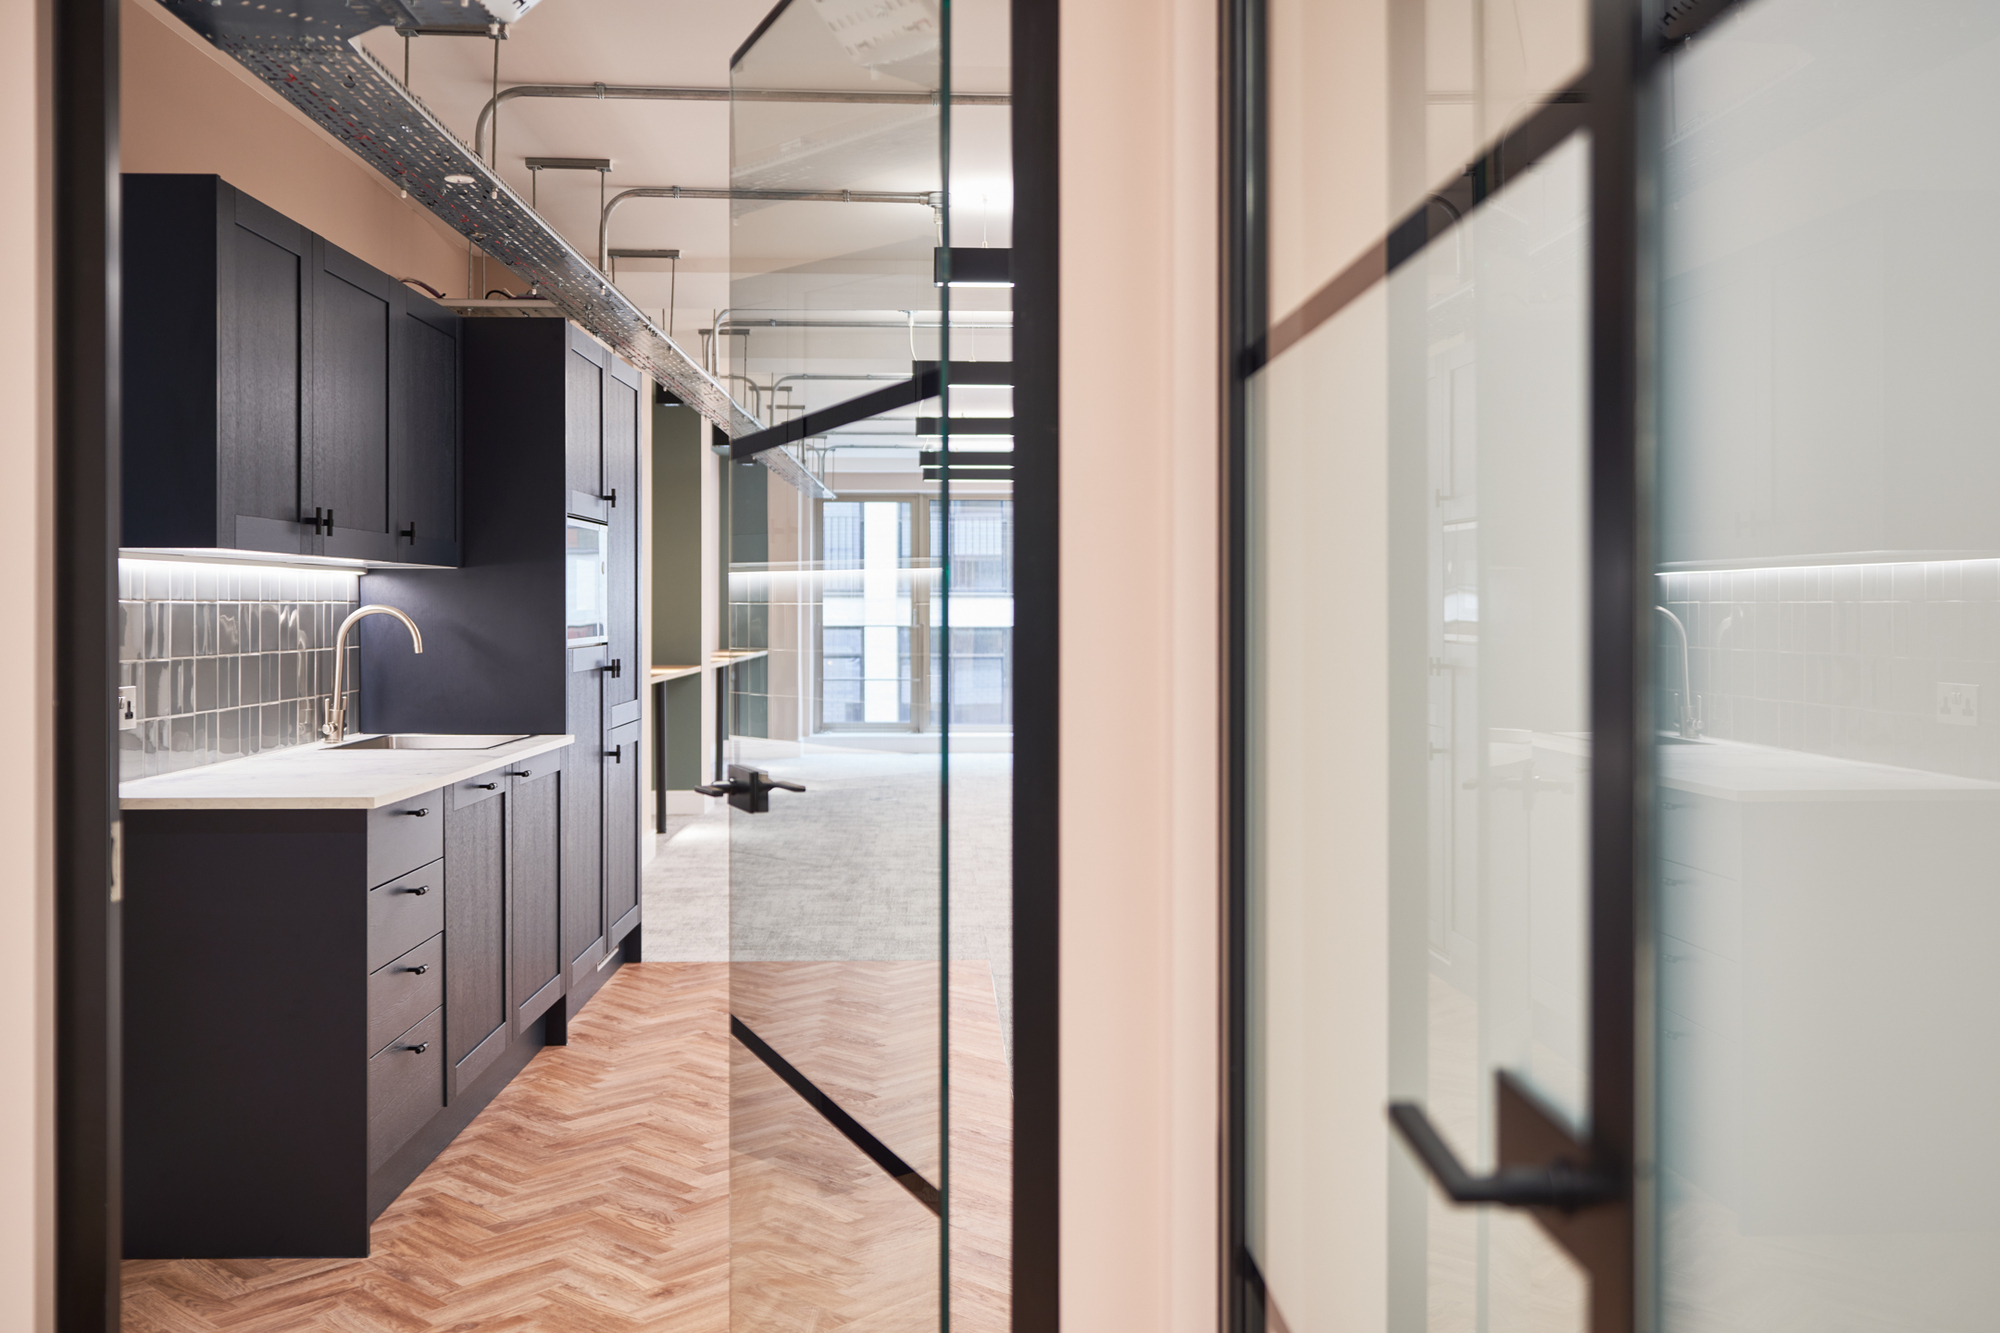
x: 1615, y: 580
x: 1435, y: 771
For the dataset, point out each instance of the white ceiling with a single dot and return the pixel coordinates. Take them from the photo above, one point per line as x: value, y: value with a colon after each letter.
x: 852, y: 255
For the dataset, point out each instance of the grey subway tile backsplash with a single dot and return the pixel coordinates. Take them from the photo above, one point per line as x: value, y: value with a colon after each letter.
x: 228, y: 662
x: 1844, y: 660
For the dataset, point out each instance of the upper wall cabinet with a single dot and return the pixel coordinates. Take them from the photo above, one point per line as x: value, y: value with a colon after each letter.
x: 279, y: 394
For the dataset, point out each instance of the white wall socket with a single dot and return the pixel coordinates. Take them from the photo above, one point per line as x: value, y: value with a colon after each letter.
x: 128, y: 707
x: 1957, y: 705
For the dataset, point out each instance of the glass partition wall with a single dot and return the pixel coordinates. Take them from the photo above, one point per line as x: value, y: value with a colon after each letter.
x: 1617, y: 571
x: 1829, y: 805
x: 869, y: 612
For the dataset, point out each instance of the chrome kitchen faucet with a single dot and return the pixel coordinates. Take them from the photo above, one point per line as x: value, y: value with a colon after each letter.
x: 335, y: 729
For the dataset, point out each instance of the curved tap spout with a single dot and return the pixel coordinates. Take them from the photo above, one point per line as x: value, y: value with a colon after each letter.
x: 1689, y: 721
x: 335, y: 728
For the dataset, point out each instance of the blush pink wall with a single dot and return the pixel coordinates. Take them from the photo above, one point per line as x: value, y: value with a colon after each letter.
x: 1140, y: 471
x: 188, y: 108
x: 27, y: 542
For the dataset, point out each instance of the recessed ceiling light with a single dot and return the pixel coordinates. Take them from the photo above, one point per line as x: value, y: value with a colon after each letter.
x: 458, y: 180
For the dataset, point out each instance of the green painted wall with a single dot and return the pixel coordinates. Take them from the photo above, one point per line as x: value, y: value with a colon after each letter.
x: 678, y: 459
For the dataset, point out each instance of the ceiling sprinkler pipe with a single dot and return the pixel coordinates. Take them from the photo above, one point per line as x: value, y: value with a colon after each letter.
x: 651, y: 93
x: 928, y: 198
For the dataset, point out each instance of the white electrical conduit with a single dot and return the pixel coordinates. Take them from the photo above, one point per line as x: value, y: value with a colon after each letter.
x: 646, y: 93
x: 928, y: 198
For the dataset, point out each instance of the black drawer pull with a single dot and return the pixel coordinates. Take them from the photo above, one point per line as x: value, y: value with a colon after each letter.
x: 419, y: 891
x: 418, y: 970
x: 520, y: 773
x: 419, y: 1048
x: 615, y: 668
x: 616, y: 756
x: 487, y: 786
x: 419, y: 812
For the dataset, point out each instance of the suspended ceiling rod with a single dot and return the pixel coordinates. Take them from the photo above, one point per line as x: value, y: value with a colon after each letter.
x: 928, y: 198
x: 648, y: 93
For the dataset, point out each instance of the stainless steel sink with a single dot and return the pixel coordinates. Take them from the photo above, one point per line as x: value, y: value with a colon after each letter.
x: 422, y: 741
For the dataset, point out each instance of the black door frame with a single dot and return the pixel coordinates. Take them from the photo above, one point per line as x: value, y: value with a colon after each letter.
x: 1037, y: 353
x: 86, y: 166
x: 85, y: 182
x: 1614, y: 102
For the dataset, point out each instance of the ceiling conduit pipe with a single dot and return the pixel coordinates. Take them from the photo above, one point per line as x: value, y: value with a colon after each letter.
x: 928, y: 198
x: 649, y: 93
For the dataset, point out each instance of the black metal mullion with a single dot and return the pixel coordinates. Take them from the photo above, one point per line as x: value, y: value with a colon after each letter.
x: 1622, y: 47
x: 1036, y: 41
x: 88, y: 1227
x: 1244, y: 307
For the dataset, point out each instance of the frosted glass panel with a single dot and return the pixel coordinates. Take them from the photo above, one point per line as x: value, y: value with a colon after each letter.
x: 1829, y: 820
x: 1417, y: 477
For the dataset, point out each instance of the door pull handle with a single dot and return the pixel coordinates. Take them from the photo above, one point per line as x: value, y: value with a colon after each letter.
x: 749, y: 789
x: 1541, y: 1163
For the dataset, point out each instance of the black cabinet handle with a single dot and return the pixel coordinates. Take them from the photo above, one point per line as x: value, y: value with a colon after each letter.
x: 419, y: 1048
x: 614, y: 668
x: 322, y: 520
x: 487, y: 786
x: 409, y: 534
x: 419, y: 891
x: 418, y: 970
x: 613, y: 497
x: 419, y: 812
x: 520, y: 773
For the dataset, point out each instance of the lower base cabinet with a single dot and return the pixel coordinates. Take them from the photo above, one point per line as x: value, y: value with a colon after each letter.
x: 317, y: 1001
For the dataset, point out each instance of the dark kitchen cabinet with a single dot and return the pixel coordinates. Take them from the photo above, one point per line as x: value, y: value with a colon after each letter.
x: 278, y: 394
x: 355, y: 316
x: 585, y: 926
x: 313, y: 1049
x: 426, y: 447
x: 534, y: 842
x: 621, y: 828
x: 555, y: 417
x: 621, y: 485
x: 475, y: 884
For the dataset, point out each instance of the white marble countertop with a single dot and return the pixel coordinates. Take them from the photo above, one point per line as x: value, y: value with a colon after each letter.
x: 1737, y: 771
x: 314, y: 777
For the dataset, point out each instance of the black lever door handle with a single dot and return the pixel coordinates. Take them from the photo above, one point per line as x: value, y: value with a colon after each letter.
x: 1555, y: 1179
x: 748, y: 789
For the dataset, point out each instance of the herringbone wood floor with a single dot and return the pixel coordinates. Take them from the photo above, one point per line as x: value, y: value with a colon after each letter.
x: 822, y: 1240
x: 594, y: 1194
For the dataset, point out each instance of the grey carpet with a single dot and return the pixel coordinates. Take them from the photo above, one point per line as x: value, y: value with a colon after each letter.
x: 849, y: 870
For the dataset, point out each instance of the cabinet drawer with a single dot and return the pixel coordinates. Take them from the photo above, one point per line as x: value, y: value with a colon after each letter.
x: 405, y: 1087
x: 405, y: 835
x: 403, y: 991
x: 482, y: 788
x: 404, y: 913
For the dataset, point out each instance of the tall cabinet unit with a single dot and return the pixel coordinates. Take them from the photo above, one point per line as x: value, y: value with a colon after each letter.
x: 281, y: 395
x: 538, y: 630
